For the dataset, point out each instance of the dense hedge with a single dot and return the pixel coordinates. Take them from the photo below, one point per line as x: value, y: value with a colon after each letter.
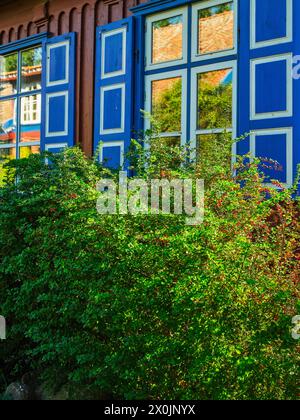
x: 146, y: 307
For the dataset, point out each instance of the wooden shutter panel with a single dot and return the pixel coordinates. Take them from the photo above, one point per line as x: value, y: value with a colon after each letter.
x: 58, y: 102
x: 113, y: 91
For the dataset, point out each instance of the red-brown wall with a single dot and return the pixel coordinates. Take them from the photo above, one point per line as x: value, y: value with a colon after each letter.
x: 20, y: 19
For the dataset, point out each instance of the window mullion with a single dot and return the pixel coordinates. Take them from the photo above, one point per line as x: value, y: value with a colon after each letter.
x: 18, y: 128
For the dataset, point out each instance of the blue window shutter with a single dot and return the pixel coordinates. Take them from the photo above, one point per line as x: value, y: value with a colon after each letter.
x: 58, y: 92
x: 113, y: 91
x: 270, y: 21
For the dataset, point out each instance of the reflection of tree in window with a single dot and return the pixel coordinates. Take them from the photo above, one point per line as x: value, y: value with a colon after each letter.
x: 8, y: 74
x: 166, y: 104
x: 215, y: 99
x: 216, y: 10
x: 5, y: 156
x: 31, y: 69
x: 10, y: 63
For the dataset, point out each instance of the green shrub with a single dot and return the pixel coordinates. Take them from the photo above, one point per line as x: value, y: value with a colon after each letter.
x: 147, y: 307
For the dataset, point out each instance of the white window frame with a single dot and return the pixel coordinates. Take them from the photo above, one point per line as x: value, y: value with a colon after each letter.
x: 289, y: 149
x: 50, y: 47
x: 104, y: 36
x: 65, y: 132
x: 122, y: 87
x: 195, y: 30
x: 288, y: 58
x: 194, y: 104
x: 49, y: 147
x: 289, y: 27
x: 161, y: 16
x: 148, y: 101
x: 111, y: 144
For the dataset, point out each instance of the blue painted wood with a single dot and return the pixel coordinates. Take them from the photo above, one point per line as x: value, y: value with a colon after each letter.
x: 56, y: 150
x: 109, y: 74
x: 56, y: 90
x: 270, y: 82
x: 57, y: 106
x: 112, y: 109
x: 271, y: 89
x: 272, y: 152
x: 112, y: 157
x: 58, y: 63
x: 28, y: 42
x: 113, y: 53
x: 270, y: 20
x: 271, y: 94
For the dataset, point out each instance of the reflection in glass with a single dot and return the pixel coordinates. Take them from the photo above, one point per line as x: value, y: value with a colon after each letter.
x: 30, y: 128
x: 215, y: 99
x: 210, y: 147
x: 8, y: 74
x: 216, y: 29
x: 8, y: 122
x: 167, y: 40
x: 26, y: 151
x: 5, y: 156
x: 166, y: 104
x: 173, y: 141
x: 31, y: 69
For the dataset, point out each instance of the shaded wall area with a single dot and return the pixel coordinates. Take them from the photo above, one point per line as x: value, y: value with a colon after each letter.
x: 19, y: 19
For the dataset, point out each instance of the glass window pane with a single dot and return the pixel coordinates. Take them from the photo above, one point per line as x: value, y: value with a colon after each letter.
x: 5, y: 156
x: 166, y: 104
x: 215, y: 99
x: 216, y: 29
x: 215, y: 148
x: 26, y: 151
x: 173, y: 141
x: 31, y: 70
x: 30, y: 124
x: 8, y: 122
x: 167, y: 40
x: 8, y: 74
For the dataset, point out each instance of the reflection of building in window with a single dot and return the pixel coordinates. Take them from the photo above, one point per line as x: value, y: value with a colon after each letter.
x: 216, y: 29
x: 31, y: 109
x: 167, y: 40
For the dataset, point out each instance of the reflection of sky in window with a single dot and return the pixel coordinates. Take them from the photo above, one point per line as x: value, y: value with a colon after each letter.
x: 227, y: 80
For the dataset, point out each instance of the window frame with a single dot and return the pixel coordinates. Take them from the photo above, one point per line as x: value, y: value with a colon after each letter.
x: 148, y: 101
x: 214, y: 61
x: 148, y: 38
x: 195, y: 30
x: 18, y: 47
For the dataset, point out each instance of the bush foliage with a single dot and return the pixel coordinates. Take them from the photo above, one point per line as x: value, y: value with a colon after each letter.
x: 146, y: 307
